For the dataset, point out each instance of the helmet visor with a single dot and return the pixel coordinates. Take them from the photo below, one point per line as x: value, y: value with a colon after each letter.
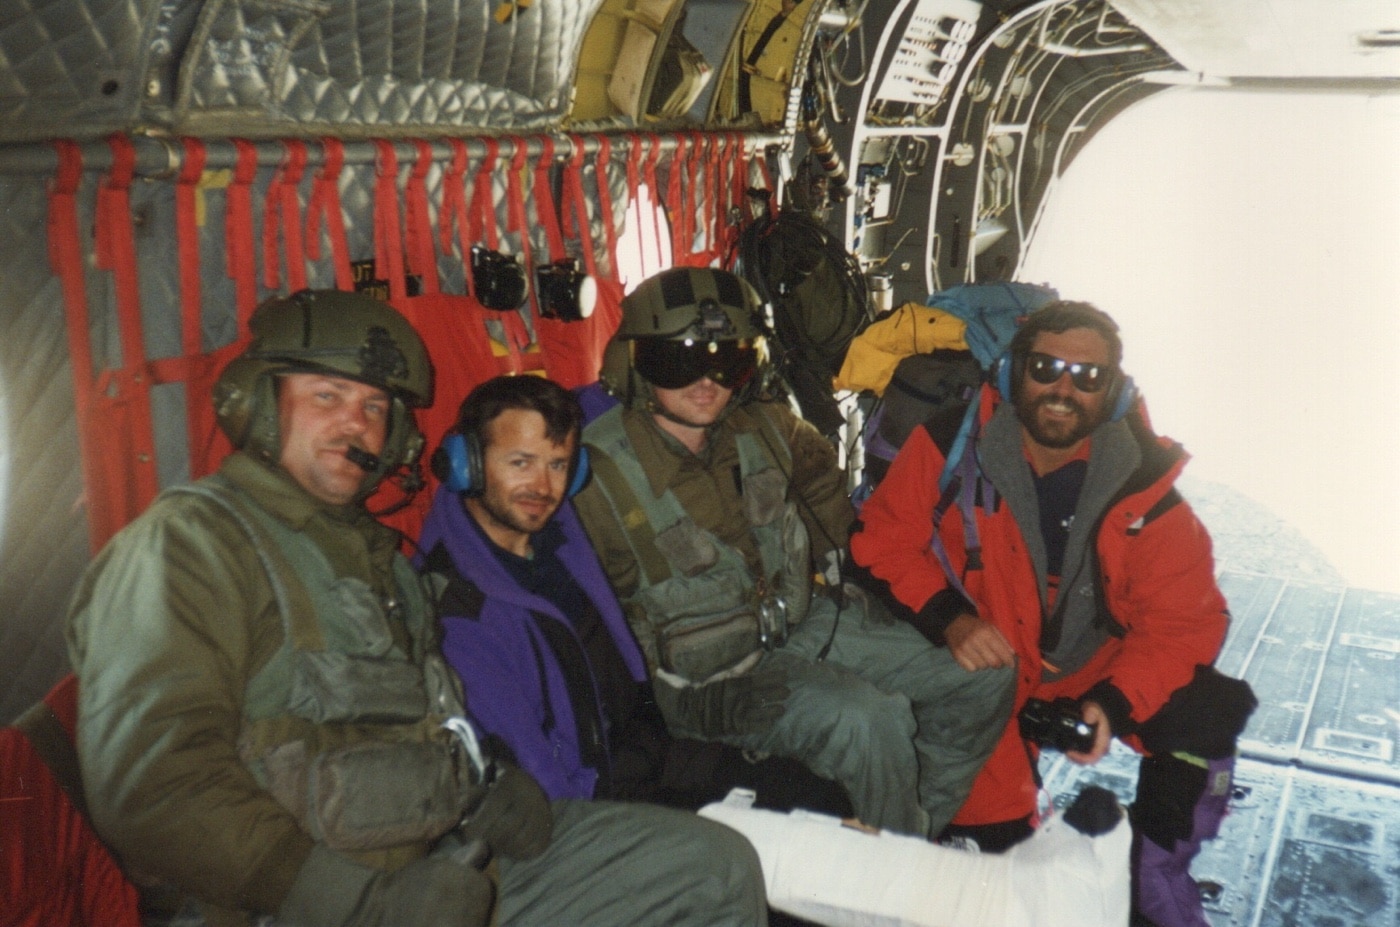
x: 675, y: 364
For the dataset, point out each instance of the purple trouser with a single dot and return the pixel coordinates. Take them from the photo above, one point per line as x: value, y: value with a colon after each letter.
x: 1165, y: 892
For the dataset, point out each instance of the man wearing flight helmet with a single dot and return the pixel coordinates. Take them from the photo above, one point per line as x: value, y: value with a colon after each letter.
x: 711, y: 507
x: 266, y: 726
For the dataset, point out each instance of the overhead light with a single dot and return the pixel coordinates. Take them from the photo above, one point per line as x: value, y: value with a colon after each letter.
x: 565, y: 292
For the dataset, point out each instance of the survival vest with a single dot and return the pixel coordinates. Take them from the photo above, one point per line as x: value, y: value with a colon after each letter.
x: 707, y: 613
x: 341, y: 726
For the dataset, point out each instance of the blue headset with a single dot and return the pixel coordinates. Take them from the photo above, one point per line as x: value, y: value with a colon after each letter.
x: 1122, y: 393
x: 460, y: 465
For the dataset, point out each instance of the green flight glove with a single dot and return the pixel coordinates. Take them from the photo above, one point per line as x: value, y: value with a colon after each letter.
x: 514, y: 819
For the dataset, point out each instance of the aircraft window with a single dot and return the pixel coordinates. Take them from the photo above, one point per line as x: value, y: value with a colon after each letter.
x: 1247, y: 244
x: 644, y: 247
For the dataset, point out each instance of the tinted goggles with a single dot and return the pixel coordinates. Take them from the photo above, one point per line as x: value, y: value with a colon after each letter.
x: 1087, y: 378
x: 674, y: 364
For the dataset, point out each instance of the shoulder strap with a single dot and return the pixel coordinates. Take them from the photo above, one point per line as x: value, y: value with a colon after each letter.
x: 300, y: 630
x: 631, y: 515
x: 51, y: 741
x: 459, y: 596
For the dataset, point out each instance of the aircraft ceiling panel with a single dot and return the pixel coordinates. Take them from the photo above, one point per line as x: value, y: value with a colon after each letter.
x: 1292, y: 39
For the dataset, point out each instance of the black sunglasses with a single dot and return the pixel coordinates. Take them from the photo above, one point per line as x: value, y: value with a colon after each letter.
x: 1087, y: 378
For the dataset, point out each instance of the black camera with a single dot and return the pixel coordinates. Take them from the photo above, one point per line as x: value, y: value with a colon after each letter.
x: 498, y: 280
x: 1057, y: 725
x: 564, y: 292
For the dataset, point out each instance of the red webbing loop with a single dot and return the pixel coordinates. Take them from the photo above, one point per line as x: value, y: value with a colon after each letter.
x: 280, y: 211
x: 675, y: 200
x: 606, y: 216
x: 575, y: 210
x: 238, y: 232
x: 454, y: 201
x: 66, y: 260
x: 422, y: 259
x: 546, y: 209
x: 187, y: 240
x: 517, y: 336
x: 654, y: 189
x: 388, y: 231
x: 325, y: 205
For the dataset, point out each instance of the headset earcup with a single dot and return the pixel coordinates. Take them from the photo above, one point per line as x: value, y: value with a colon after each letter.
x: 1003, y: 375
x: 454, y: 466
x: 579, y: 477
x: 1123, y: 395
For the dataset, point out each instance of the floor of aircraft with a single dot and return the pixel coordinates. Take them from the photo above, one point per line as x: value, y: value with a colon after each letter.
x: 1313, y: 837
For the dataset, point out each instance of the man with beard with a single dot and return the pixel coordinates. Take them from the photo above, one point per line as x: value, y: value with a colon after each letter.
x: 713, y: 509
x: 1054, y: 541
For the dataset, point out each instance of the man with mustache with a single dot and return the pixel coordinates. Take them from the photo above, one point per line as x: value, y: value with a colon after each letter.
x: 266, y: 725
x: 1050, y: 539
x: 713, y: 509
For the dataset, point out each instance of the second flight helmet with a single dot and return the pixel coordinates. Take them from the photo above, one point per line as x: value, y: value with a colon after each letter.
x: 683, y: 324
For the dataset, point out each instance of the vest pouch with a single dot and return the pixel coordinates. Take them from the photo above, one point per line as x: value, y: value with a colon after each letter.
x: 378, y: 795
x: 697, y: 649
x: 333, y: 687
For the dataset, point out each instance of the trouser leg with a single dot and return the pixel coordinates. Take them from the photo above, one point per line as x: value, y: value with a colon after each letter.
x: 843, y: 728
x: 1180, y: 803
x: 611, y: 864
x: 956, y: 717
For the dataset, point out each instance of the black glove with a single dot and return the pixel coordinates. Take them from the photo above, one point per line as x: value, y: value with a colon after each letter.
x: 747, y: 704
x: 514, y: 818
x: 445, y: 888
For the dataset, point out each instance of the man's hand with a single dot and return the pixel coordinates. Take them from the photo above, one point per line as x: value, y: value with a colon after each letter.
x: 1093, y: 714
x: 977, y: 644
x: 748, y: 704
x: 514, y: 818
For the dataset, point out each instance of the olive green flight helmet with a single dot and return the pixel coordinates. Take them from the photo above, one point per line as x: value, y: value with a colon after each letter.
x: 332, y: 332
x: 700, y: 305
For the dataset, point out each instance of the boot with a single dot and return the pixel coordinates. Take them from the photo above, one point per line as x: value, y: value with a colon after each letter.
x: 1180, y: 804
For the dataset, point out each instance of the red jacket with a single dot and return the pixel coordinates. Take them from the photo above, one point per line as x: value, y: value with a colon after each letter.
x: 1156, y: 574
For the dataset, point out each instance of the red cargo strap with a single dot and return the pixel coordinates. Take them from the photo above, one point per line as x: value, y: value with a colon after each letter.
x: 238, y: 232
x: 422, y: 259
x: 127, y: 389
x: 281, y: 210
x: 187, y: 240
x: 325, y: 205
x: 388, y: 230
x: 66, y: 259
x: 546, y: 209
x: 454, y: 201
x: 654, y: 189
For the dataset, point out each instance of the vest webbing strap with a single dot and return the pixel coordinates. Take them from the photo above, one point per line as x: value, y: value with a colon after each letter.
x: 640, y: 534
x: 302, y: 633
x: 50, y: 740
